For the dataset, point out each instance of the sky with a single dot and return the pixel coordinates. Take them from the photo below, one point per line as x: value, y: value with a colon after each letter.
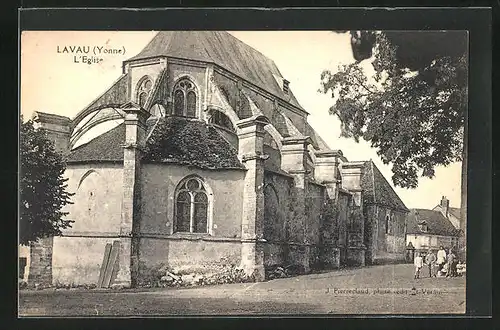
x: 52, y: 82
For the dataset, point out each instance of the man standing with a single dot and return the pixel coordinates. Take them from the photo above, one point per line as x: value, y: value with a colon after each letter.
x: 441, y: 258
x: 430, y: 260
x: 451, y: 262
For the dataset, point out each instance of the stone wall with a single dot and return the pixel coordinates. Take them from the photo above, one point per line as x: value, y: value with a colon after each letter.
x: 71, y: 267
x: 98, y: 196
x: 273, y: 163
x: 381, y: 244
x: 161, y: 245
x: 277, y: 211
x: 97, y: 215
x: 315, y: 198
x: 187, y: 254
x: 159, y: 182
x: 343, y: 203
x: 40, y: 272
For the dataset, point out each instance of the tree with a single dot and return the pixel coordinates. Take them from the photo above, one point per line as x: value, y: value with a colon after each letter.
x: 413, y: 108
x: 42, y: 187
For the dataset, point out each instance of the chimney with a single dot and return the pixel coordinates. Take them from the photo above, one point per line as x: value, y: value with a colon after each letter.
x: 445, y: 205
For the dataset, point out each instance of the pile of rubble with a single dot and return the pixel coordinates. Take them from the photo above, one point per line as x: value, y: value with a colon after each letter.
x: 276, y: 272
x: 284, y: 271
x: 230, y: 274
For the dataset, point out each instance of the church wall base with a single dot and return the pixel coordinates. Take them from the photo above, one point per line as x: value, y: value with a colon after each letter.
x: 298, y: 258
x: 355, y: 256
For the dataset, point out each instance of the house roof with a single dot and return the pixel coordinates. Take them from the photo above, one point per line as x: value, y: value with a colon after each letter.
x: 171, y: 140
x: 376, y: 189
x: 437, y: 224
x: 222, y: 49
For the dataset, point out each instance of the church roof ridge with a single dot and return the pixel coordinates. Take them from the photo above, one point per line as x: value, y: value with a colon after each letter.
x: 222, y: 49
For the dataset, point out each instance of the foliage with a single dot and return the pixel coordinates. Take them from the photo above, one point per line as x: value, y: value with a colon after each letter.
x: 414, y: 119
x: 356, y: 220
x: 43, y: 191
x: 329, y: 222
x: 184, y: 141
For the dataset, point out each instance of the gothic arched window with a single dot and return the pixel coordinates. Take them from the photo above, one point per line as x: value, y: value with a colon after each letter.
x: 220, y: 119
x: 143, y: 89
x: 185, y: 98
x: 191, y: 206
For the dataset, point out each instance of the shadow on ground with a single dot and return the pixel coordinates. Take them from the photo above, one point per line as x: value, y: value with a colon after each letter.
x: 137, y: 304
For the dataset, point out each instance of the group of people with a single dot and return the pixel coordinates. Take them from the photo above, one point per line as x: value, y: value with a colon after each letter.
x: 441, y: 264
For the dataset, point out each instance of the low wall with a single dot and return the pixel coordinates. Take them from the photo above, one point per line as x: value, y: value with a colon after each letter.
x: 187, y: 255
x: 77, y: 260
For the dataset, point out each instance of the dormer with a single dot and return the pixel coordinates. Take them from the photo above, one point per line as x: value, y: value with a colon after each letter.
x: 283, y: 83
x: 286, y: 87
x: 422, y: 226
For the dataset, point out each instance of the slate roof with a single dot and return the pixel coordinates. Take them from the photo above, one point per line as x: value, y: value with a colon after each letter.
x: 376, y: 189
x: 106, y: 147
x: 222, y: 49
x: 172, y: 140
x: 437, y: 224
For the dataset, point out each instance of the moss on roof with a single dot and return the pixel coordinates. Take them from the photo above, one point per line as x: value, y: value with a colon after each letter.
x: 171, y: 140
x: 190, y: 142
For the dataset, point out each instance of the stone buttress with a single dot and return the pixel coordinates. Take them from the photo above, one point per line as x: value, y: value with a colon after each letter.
x: 135, y: 140
x: 251, y: 146
x: 294, y: 160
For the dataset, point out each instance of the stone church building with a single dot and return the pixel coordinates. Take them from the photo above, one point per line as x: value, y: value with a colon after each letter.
x: 208, y: 159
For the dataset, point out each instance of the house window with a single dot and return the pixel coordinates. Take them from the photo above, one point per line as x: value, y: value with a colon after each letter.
x: 422, y: 227
x: 143, y: 89
x: 191, y: 207
x: 185, y: 98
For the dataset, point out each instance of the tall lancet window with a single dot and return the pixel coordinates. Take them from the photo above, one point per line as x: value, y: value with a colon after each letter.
x: 143, y: 89
x: 185, y: 98
x: 192, y: 206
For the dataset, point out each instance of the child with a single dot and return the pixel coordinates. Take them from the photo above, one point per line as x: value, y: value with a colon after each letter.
x: 443, y: 271
x: 418, y: 262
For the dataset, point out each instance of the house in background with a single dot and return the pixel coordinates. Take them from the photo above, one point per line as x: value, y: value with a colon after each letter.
x: 451, y: 213
x: 431, y: 229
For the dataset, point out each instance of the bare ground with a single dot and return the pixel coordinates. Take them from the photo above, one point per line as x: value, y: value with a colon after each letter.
x: 384, y: 289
